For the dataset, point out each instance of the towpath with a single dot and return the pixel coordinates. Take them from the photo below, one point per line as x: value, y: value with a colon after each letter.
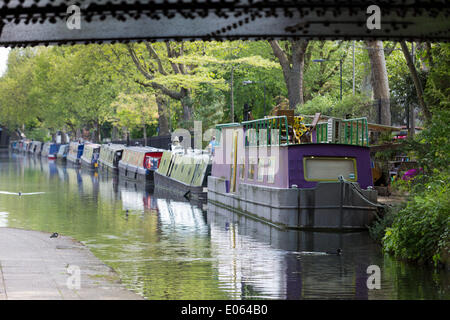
x: 35, y: 266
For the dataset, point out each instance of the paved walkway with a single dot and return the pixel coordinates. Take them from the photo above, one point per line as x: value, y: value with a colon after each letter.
x: 35, y: 266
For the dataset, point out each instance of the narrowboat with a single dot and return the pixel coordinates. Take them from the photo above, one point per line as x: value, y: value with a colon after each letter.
x: 89, y: 158
x: 184, y: 174
x: 110, y: 155
x: 75, y: 152
x: 140, y: 163
x: 14, y: 145
x: 31, y: 147
x: 61, y: 156
x: 281, y: 172
x: 18, y: 146
x: 26, y: 146
x: 50, y: 150
x: 36, y: 148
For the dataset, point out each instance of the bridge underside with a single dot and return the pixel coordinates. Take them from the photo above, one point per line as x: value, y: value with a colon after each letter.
x: 37, y: 22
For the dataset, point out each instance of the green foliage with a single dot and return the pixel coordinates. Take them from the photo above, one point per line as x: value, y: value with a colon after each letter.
x: 432, y: 146
x: 56, y: 88
x: 353, y: 106
x: 420, y: 231
x: 378, y: 229
x: 73, y: 87
x: 437, y: 91
x: 209, y: 105
x: 38, y: 134
x: 403, y: 186
x: 136, y: 110
x: 323, y: 78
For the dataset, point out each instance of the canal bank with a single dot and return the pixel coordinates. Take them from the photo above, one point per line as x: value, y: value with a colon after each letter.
x: 34, y: 265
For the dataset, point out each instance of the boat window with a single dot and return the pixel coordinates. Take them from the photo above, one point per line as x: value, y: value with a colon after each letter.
x: 251, y: 168
x: 271, y: 169
x: 261, y: 164
x: 242, y: 169
x: 329, y: 168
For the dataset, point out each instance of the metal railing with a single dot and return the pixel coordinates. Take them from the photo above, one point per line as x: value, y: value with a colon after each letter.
x: 275, y: 131
x: 355, y: 132
x: 267, y: 131
x: 349, y: 131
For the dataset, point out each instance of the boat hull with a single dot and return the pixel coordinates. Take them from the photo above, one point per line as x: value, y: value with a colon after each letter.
x: 61, y: 159
x: 72, y: 160
x: 328, y: 206
x: 140, y: 175
x: 89, y: 165
x: 180, y: 189
x: 104, y: 167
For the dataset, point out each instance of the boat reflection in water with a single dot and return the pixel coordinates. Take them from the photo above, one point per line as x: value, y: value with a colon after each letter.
x: 180, y: 215
x: 257, y: 260
x: 62, y: 173
x: 135, y: 198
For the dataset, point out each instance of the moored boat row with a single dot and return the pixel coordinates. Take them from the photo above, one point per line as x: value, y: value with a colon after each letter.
x: 132, y: 163
x: 277, y: 170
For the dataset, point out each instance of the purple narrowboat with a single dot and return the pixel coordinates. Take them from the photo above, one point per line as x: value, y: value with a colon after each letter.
x: 279, y: 171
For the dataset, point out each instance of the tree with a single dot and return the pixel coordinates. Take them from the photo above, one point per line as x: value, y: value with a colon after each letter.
x: 153, y: 65
x: 380, y: 82
x: 320, y: 78
x: 17, y: 107
x: 417, y: 83
x: 292, y: 60
x: 135, y: 110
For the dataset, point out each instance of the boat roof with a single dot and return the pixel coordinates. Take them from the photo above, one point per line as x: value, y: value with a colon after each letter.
x: 113, y: 146
x: 93, y: 145
x: 144, y: 149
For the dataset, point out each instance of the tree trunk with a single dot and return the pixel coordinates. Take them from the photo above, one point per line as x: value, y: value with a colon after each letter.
x: 366, y: 85
x: 415, y: 77
x: 162, y: 120
x: 232, y: 95
x: 292, y: 62
x: 114, y: 133
x: 98, y: 132
x: 380, y: 80
x: 186, y: 103
x: 412, y: 121
x: 95, y: 137
x: 294, y: 83
x: 63, y: 136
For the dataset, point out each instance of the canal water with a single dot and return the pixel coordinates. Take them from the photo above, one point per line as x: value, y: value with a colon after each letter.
x: 170, y: 249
